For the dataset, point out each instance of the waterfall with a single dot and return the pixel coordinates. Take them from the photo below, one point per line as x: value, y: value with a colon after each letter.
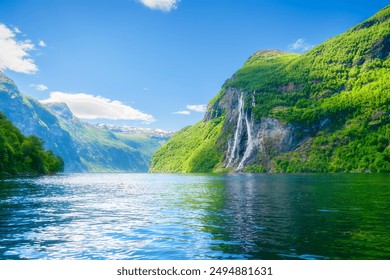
x: 233, y: 151
x: 249, y: 143
x: 244, y: 124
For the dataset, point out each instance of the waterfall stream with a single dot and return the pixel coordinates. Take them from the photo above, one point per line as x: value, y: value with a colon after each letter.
x: 233, y: 151
x: 249, y: 142
x: 244, y: 125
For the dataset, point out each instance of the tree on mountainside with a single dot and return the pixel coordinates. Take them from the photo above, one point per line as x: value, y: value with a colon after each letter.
x: 20, y: 154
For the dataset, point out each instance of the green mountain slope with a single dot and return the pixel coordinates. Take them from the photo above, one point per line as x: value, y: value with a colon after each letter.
x: 105, y: 148
x: 83, y: 147
x: 193, y: 149
x: 20, y: 154
x: 31, y: 118
x: 326, y: 110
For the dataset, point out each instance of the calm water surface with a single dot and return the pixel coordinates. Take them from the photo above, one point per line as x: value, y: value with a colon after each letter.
x: 154, y: 216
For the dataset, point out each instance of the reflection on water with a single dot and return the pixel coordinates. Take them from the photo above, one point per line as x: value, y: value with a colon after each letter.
x: 156, y: 216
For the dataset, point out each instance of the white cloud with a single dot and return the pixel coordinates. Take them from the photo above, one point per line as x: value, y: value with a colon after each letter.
x: 16, y: 30
x: 86, y: 106
x: 39, y: 87
x: 300, y: 45
x: 182, y: 113
x: 197, y: 108
x: 42, y: 43
x: 164, y: 5
x: 14, y: 53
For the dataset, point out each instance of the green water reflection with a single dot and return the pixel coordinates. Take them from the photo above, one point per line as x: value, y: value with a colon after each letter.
x: 332, y: 216
x: 156, y: 216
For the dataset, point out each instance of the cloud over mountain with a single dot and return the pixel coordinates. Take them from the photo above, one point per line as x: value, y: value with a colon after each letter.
x: 87, y: 106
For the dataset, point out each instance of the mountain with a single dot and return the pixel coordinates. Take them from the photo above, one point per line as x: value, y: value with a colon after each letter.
x: 28, y: 115
x: 326, y: 110
x: 147, y: 141
x: 105, y: 148
x: 24, y: 155
x: 130, y: 130
x: 83, y: 147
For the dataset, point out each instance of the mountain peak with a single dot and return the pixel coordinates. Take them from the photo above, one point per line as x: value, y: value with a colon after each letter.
x: 129, y: 130
x: 269, y: 56
x: 7, y: 85
x: 60, y: 109
x: 321, y: 111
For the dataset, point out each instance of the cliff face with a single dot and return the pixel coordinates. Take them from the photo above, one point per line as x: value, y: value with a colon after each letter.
x: 83, y: 147
x: 251, y: 140
x: 325, y: 110
x: 32, y: 118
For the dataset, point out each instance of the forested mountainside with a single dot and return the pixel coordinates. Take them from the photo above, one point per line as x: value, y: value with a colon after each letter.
x: 83, y: 147
x: 24, y: 155
x: 31, y: 118
x: 326, y: 110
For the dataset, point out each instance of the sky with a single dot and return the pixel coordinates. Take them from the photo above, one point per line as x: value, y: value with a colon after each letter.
x: 154, y: 63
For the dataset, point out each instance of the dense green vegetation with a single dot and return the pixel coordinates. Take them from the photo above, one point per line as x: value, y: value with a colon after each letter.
x: 337, y: 96
x: 199, y: 141
x: 83, y: 147
x: 24, y: 155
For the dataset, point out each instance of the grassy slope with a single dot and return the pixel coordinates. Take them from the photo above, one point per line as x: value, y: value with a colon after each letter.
x: 193, y: 149
x: 99, y: 149
x: 344, y: 82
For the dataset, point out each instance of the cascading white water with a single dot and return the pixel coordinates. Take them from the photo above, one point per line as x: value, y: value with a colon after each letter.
x: 233, y: 150
x: 249, y: 143
x: 243, y: 125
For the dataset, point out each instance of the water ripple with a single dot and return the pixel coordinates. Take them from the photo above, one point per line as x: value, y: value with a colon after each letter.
x: 157, y: 216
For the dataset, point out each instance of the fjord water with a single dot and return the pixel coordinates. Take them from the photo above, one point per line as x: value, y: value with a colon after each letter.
x: 157, y: 216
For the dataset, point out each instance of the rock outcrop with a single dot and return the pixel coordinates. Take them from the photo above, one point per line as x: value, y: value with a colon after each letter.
x: 326, y: 110
x: 251, y: 141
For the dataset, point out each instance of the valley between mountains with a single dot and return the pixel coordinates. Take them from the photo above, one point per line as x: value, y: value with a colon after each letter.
x: 326, y: 110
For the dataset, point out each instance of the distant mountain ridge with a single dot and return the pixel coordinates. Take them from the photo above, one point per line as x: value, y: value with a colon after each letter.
x: 326, y: 110
x: 83, y: 147
x: 32, y: 118
x: 136, y: 130
x: 106, y: 147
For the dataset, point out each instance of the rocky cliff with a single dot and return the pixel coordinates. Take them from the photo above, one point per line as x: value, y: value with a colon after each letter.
x: 326, y: 110
x: 28, y: 115
x: 83, y: 147
x: 252, y: 140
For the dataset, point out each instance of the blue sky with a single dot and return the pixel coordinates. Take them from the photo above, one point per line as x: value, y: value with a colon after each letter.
x: 154, y: 63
